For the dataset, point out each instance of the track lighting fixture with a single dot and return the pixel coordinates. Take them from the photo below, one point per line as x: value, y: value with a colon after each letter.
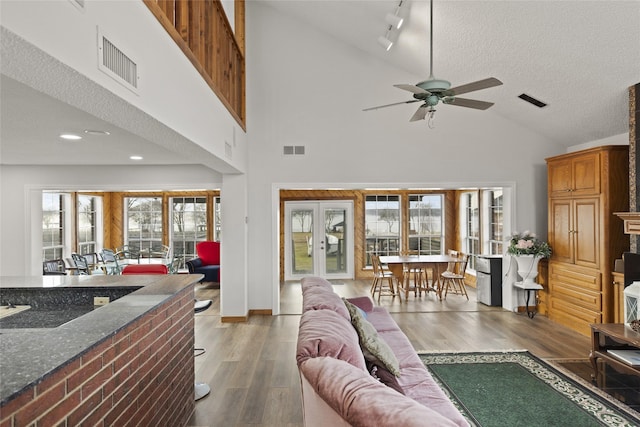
x: 394, y: 22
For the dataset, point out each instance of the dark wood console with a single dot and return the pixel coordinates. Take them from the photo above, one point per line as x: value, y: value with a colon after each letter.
x: 613, y: 336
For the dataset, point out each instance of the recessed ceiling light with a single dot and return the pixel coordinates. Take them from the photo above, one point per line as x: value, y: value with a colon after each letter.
x: 135, y: 157
x: 70, y: 136
x: 96, y: 132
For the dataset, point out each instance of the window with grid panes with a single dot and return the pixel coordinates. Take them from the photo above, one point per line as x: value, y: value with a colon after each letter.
x: 217, y: 219
x: 425, y: 224
x: 495, y: 213
x: 471, y: 224
x: 188, y: 226
x: 88, y: 214
x: 143, y: 219
x: 53, y: 225
x: 382, y: 225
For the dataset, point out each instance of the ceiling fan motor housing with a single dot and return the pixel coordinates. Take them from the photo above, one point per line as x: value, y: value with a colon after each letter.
x: 434, y: 85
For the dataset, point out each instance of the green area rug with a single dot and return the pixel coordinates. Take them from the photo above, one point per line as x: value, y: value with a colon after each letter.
x: 518, y: 389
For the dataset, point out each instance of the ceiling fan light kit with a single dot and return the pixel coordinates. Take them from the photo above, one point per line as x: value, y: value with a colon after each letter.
x: 433, y: 91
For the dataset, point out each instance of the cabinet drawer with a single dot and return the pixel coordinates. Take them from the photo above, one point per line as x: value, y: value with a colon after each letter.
x: 582, y: 297
x: 567, y: 275
x: 579, y: 312
x: 577, y: 319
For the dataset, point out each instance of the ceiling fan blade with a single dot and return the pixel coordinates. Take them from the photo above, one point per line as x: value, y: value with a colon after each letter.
x: 391, y: 105
x: 470, y: 87
x: 412, y: 88
x: 469, y: 103
x: 420, y: 114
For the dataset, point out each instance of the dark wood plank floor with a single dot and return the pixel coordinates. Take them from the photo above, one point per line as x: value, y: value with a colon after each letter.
x: 251, y: 366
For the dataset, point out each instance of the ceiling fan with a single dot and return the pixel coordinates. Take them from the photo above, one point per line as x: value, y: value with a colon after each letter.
x: 432, y: 91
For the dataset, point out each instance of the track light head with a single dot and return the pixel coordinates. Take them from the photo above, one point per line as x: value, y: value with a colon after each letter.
x: 394, y: 20
x: 385, y: 42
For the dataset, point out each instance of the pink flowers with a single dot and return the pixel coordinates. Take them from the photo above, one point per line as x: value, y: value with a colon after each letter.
x: 528, y: 244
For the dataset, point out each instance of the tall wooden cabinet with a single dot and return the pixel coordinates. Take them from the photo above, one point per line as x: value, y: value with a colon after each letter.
x: 585, y: 188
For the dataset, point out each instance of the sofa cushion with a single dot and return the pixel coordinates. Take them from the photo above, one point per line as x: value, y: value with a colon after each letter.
x: 326, y: 333
x: 374, y: 348
x: 362, y: 400
x: 365, y: 303
x: 383, y: 375
x: 316, y: 297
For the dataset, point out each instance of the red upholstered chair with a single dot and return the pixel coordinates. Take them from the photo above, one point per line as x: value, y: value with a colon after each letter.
x: 145, y: 269
x: 209, y: 252
x: 207, y: 262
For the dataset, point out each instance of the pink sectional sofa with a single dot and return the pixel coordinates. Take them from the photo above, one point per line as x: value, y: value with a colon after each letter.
x: 337, y: 388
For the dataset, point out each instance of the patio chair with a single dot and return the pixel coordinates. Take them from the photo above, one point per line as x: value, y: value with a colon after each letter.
x: 54, y: 267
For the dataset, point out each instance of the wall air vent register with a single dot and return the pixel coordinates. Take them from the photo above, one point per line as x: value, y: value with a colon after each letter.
x: 116, y: 64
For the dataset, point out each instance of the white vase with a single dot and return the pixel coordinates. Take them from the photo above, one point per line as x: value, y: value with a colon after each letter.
x: 527, y: 267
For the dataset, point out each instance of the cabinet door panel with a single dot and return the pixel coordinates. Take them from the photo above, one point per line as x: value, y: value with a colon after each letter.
x: 586, y: 233
x: 559, y: 178
x: 560, y: 230
x: 586, y: 175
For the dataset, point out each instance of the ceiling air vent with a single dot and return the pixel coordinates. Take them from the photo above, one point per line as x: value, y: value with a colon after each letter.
x: 532, y: 100
x: 115, y: 63
x: 293, y: 150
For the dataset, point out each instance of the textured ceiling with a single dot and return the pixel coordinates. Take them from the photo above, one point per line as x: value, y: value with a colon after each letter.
x: 577, y: 56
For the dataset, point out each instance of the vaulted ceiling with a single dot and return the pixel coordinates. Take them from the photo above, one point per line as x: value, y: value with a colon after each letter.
x: 579, y: 57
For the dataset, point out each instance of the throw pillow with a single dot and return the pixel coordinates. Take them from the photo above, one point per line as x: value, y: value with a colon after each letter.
x: 374, y: 348
x: 384, y: 376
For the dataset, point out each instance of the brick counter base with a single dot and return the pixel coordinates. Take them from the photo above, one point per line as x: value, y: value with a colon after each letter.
x: 141, y: 375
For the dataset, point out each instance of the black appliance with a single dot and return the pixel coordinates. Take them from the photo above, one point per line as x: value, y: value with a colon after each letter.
x: 631, y: 268
x: 489, y: 279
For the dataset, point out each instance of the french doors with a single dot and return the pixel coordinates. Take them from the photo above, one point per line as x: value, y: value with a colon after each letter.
x: 319, y: 239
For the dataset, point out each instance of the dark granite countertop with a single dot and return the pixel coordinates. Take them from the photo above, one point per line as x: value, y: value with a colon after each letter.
x: 29, y: 354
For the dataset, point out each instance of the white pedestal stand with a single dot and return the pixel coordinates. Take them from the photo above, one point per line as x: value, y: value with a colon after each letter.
x: 529, y: 287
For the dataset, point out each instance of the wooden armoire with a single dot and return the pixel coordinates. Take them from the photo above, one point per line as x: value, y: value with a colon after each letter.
x: 585, y: 188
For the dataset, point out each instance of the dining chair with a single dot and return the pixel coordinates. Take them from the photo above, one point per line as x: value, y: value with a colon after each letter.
x: 54, y: 267
x: 110, y: 260
x: 418, y: 273
x: 82, y: 266
x: 453, y: 281
x: 379, y: 277
x: 126, y: 254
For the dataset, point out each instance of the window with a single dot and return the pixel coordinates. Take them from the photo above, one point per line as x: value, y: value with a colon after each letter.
x: 143, y: 219
x: 54, y: 225
x: 425, y: 224
x: 217, y: 219
x: 382, y: 225
x: 494, y: 199
x: 89, y: 214
x: 189, y: 226
x: 471, y: 227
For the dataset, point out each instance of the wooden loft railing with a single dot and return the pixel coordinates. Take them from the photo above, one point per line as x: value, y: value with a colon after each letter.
x: 202, y: 31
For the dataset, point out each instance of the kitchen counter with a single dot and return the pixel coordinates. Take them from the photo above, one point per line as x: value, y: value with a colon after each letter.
x: 28, y: 355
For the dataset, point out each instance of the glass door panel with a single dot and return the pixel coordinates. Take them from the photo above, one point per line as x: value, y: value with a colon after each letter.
x: 301, y: 231
x: 335, y: 222
x: 318, y: 239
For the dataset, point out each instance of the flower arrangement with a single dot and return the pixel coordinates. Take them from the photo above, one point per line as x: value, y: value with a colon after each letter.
x: 527, y: 243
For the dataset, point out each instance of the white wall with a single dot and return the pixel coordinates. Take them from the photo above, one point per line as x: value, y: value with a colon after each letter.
x: 21, y: 200
x: 304, y: 88
x: 169, y: 87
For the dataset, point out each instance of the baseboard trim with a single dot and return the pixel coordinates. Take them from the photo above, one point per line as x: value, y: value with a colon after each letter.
x: 263, y: 312
x: 234, y: 319
x: 240, y: 319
